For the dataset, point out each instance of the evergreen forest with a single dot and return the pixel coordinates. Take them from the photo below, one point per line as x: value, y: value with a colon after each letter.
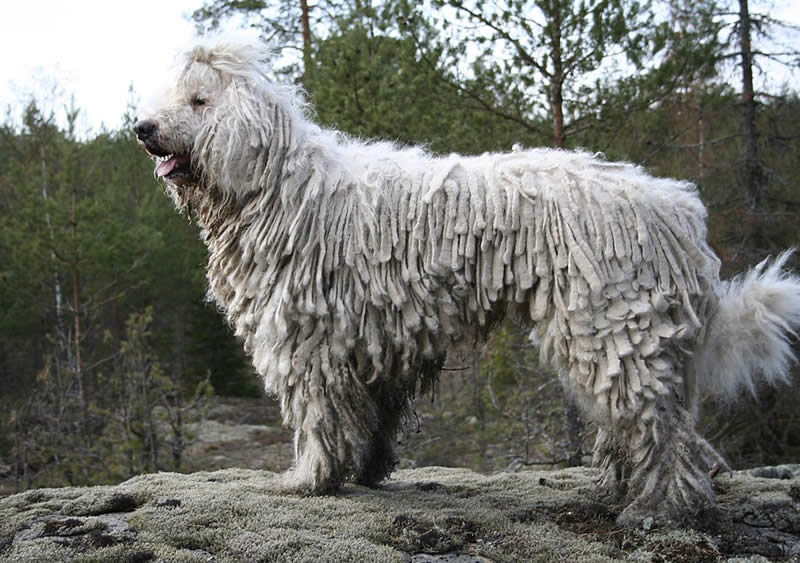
x: 109, y: 351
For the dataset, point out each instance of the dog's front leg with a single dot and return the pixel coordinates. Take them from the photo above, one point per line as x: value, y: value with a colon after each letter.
x: 334, y: 419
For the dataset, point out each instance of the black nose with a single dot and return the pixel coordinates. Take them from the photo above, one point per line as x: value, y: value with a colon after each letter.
x: 145, y: 128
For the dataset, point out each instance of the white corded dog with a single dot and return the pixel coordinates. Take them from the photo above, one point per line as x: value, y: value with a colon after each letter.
x: 348, y: 268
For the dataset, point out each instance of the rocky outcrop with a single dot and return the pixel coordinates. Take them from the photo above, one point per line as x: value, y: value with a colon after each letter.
x: 421, y: 515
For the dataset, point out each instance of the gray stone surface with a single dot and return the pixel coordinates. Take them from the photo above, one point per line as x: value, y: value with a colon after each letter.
x: 423, y: 515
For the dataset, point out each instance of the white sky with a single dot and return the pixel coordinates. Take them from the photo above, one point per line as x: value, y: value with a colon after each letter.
x: 94, y: 49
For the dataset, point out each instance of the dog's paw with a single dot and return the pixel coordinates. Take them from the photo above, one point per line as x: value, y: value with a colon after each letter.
x: 642, y: 519
x: 294, y: 482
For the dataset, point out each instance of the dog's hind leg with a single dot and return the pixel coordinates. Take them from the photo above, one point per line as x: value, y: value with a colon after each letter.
x: 670, y: 466
x: 610, y: 457
x: 650, y: 457
x: 652, y: 460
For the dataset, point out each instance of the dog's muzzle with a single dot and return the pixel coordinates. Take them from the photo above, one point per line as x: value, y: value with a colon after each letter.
x: 175, y: 167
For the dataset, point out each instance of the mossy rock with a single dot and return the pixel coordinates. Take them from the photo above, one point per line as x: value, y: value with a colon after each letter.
x: 421, y: 515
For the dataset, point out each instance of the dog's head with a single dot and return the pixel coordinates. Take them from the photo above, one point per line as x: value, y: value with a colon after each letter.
x: 220, y: 123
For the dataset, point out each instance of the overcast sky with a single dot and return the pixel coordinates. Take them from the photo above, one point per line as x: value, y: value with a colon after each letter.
x: 95, y: 49
x: 92, y: 49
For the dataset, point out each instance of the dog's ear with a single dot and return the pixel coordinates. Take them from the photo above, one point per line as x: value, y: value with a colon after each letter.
x: 236, y: 142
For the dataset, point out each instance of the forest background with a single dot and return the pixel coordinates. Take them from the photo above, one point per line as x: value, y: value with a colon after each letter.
x: 109, y: 354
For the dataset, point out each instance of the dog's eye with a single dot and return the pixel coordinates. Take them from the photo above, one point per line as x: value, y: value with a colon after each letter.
x: 197, y: 102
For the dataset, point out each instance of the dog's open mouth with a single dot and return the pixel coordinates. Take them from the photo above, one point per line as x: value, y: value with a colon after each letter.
x: 175, y: 167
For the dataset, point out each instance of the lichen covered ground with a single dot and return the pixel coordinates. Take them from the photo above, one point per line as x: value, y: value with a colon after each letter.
x: 421, y: 515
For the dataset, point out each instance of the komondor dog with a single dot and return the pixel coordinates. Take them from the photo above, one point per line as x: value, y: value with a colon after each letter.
x: 348, y: 269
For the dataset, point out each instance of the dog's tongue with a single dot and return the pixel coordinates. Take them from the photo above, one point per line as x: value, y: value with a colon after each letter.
x: 169, y: 165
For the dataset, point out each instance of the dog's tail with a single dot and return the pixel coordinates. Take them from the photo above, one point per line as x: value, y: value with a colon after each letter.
x: 748, y: 339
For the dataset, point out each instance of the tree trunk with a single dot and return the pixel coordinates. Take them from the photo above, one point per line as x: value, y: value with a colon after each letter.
x: 752, y: 172
x: 701, y: 139
x: 304, y: 20
x: 57, y: 289
x: 557, y: 78
x: 76, y: 309
x: 557, y: 103
x: 573, y: 426
x: 150, y: 430
x: 179, y: 440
